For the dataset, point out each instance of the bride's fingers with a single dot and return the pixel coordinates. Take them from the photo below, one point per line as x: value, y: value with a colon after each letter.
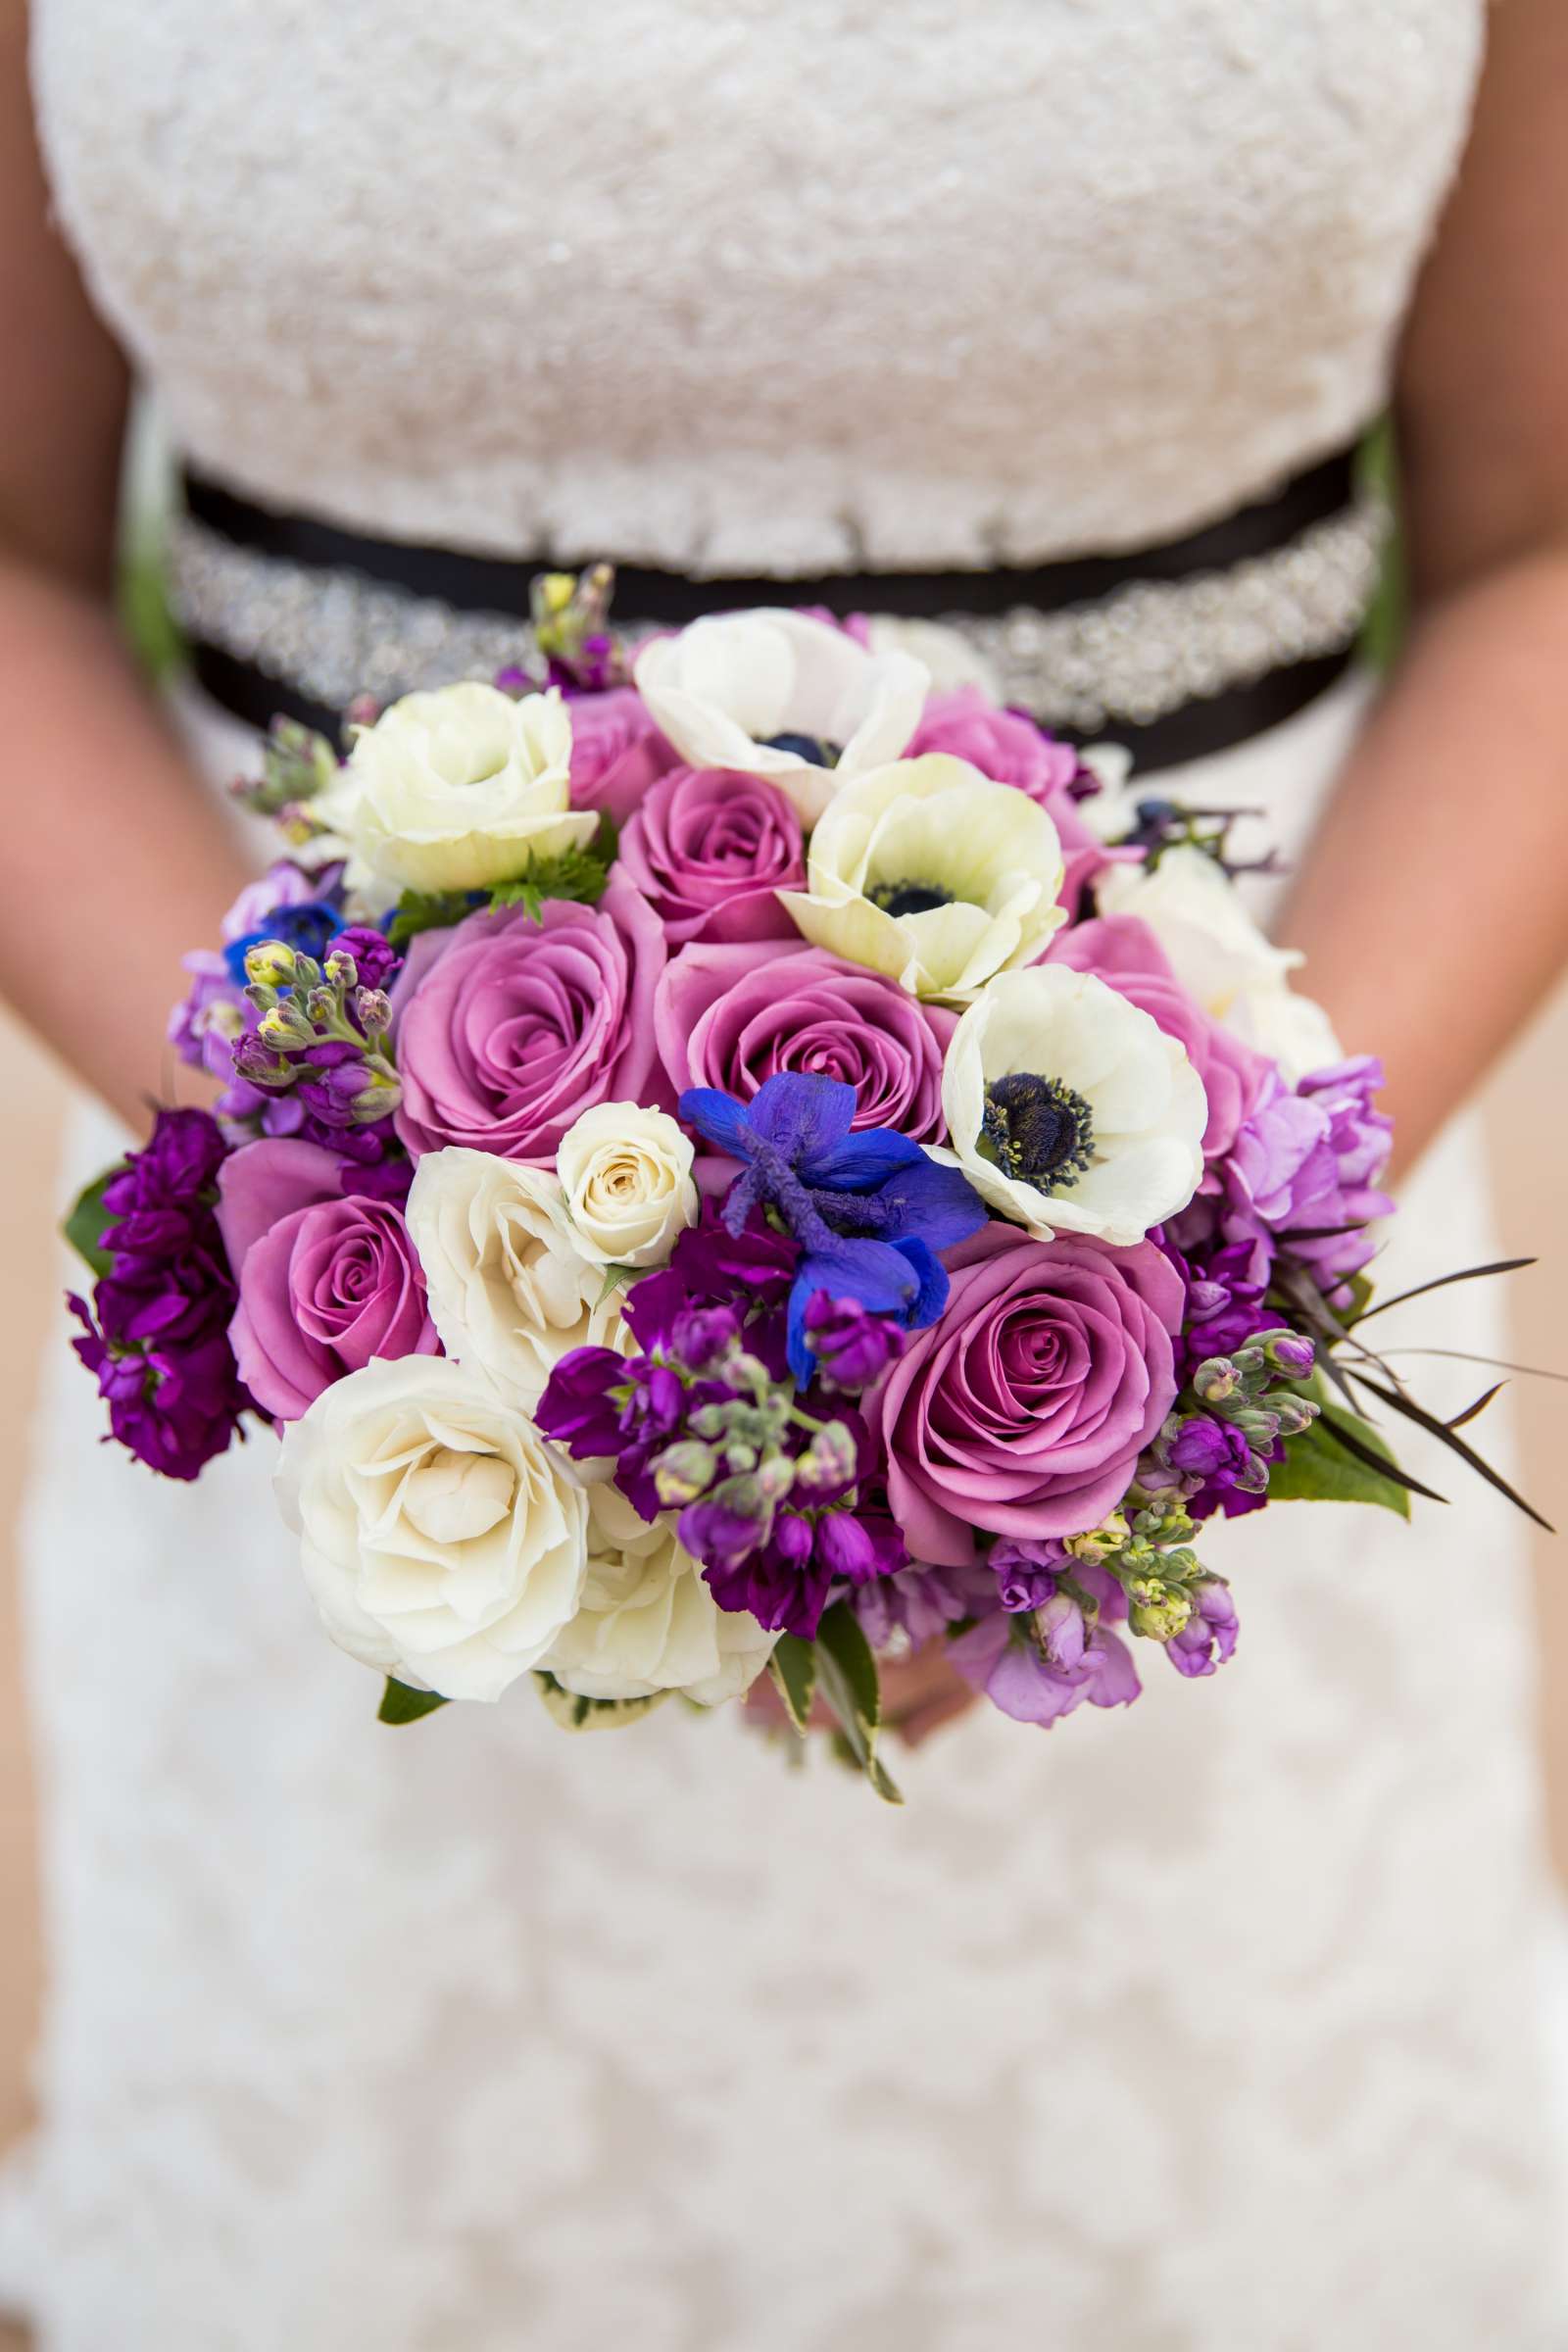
x: 920, y: 1722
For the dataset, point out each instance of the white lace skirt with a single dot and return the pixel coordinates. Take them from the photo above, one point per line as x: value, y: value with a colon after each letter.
x: 1208, y: 2026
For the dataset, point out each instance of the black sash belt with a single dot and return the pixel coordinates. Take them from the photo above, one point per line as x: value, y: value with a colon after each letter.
x: 246, y: 646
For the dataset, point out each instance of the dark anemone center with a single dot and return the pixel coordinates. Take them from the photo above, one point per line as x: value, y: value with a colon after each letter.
x: 1037, y: 1130
x: 810, y: 748
x: 907, y: 897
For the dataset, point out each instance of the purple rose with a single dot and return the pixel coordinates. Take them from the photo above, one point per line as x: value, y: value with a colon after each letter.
x: 1024, y: 1409
x: 326, y: 1280
x: 1005, y: 745
x: 1125, y: 953
x: 733, y: 1017
x: 709, y: 849
x: 508, y: 1029
x: 617, y: 752
x: 1009, y: 746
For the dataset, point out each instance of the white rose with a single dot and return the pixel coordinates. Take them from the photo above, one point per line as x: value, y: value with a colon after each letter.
x: 778, y: 694
x: 1289, y: 1027
x: 626, y: 1177
x: 510, y: 1290
x: 458, y: 790
x: 1221, y: 957
x: 932, y: 873
x: 442, y: 1540
x: 1071, y: 1110
x: 647, y: 1621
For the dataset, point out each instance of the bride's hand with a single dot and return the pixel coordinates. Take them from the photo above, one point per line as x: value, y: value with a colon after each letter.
x: 918, y: 1696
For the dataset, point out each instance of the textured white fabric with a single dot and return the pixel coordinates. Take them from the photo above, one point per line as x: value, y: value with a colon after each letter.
x: 732, y: 285
x: 1208, y: 2027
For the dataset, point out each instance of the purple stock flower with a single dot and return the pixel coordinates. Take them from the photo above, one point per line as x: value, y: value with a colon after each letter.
x: 158, y: 1337
x: 787, y: 1581
x: 922, y: 1602
x: 1304, y: 1170
x: 1039, y: 1666
x: 378, y: 963
x: 852, y: 1348
x: 1025, y: 1572
x: 1208, y: 1637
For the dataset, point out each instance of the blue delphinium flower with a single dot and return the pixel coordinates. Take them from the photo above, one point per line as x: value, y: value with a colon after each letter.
x: 869, y: 1210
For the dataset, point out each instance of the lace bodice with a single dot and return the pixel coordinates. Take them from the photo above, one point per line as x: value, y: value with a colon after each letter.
x: 726, y: 286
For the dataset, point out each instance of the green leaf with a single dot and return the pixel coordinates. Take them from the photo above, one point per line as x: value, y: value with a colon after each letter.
x: 1320, y: 1465
x: 619, y: 1278
x: 401, y: 1705
x: 848, y: 1679
x: 793, y: 1667
x: 574, y: 1713
x: 84, y: 1228
x: 575, y: 874
x: 429, y: 911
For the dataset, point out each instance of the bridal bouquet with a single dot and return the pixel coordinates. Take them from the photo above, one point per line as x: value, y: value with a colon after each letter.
x: 741, y: 1161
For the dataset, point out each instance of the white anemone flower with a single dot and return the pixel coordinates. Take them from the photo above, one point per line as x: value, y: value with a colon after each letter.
x: 1070, y: 1109
x: 1221, y: 957
x: 777, y: 694
x: 932, y: 873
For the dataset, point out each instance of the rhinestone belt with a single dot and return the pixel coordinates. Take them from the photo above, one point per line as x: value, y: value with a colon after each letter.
x: 1179, y: 650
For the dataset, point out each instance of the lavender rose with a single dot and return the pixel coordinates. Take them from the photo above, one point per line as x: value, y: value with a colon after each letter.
x: 732, y: 1017
x: 326, y: 1281
x: 1124, y: 953
x: 1024, y: 1409
x: 507, y: 1029
x: 617, y: 752
x: 1003, y: 744
x: 709, y: 847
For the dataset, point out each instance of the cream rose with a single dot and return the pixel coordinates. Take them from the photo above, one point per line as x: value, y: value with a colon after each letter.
x: 509, y: 1290
x: 778, y: 694
x: 458, y: 790
x: 930, y: 873
x: 442, y: 1540
x: 1221, y: 957
x: 1070, y: 1109
x: 647, y: 1621
x: 626, y: 1179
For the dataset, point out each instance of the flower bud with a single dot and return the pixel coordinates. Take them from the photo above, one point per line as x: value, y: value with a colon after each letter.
x: 271, y: 963
x: 1216, y: 1380
x: 1101, y: 1542
x: 1062, y: 1631
x: 341, y: 970
x: 829, y: 1463
x: 684, y: 1471
x: 284, y: 1026
x: 1293, y: 1414
x: 373, y: 1009
x: 1157, y: 1609
x: 1290, y: 1355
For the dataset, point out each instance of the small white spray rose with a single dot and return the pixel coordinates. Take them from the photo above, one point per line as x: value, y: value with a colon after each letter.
x: 441, y: 1539
x: 930, y: 873
x: 647, y: 1621
x: 626, y: 1179
x: 778, y: 694
x: 511, y: 1291
x: 459, y: 789
x: 1070, y: 1109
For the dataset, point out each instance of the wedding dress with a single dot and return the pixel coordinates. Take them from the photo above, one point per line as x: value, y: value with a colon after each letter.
x: 1213, y: 2023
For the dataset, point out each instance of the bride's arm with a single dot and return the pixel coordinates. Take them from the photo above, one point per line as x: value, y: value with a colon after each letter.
x: 1434, y: 909
x: 113, y: 860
